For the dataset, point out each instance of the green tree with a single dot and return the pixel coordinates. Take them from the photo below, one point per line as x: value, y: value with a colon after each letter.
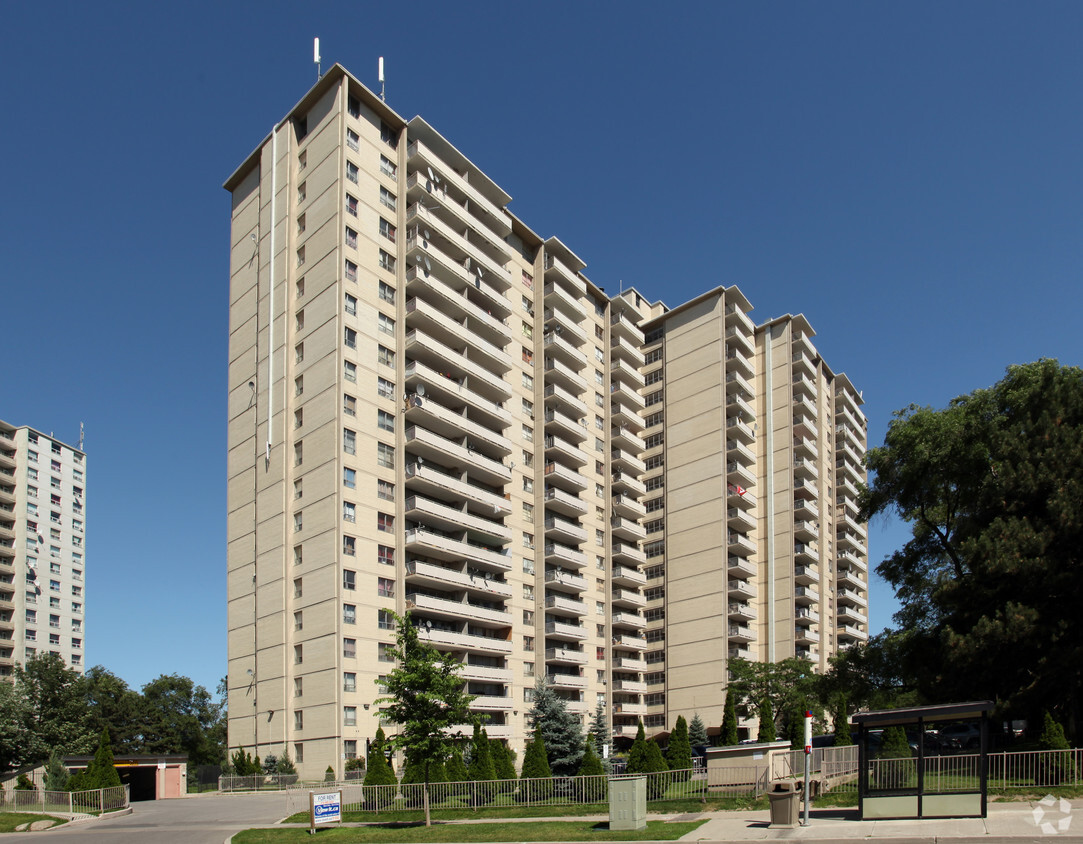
x: 679, y: 752
x: 1054, y: 768
x: 842, y: 722
x: 536, y: 768
x: 503, y: 764
x: 243, y: 764
x: 900, y: 773
x: 457, y: 771
x: 100, y: 773
x: 285, y: 767
x: 697, y: 731
x: 657, y: 771
x: 591, y: 790
x: 56, y: 775
x: 180, y: 716
x: 425, y: 697
x: 729, y: 735
x: 878, y: 674
x: 637, y: 754
x: 56, y: 707
x: 481, y: 766
x: 561, y: 730
x: 783, y: 685
x: 15, y: 739
x: 378, y: 772
x: 111, y: 705
x: 767, y: 722
x: 991, y: 580
x: 599, y: 731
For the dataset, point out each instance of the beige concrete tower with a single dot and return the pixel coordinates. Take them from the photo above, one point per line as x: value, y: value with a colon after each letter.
x: 433, y: 410
x: 42, y: 548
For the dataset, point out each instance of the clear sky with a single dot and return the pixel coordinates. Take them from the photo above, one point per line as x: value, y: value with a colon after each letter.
x: 907, y: 175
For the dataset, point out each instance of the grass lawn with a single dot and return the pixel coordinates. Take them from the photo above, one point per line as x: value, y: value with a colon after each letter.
x: 10, y: 820
x: 511, y: 810
x: 409, y: 833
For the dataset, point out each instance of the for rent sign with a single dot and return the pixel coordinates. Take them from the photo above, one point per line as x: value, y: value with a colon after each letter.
x: 324, y: 807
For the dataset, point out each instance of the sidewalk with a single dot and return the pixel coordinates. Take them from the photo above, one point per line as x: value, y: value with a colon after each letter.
x: 1012, y: 821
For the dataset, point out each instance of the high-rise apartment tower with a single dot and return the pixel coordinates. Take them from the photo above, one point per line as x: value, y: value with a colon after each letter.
x: 42, y: 548
x: 432, y: 410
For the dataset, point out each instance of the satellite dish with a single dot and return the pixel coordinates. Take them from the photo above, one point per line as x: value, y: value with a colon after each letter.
x: 427, y: 237
x: 420, y: 389
x: 418, y: 403
x: 420, y: 461
x: 428, y: 267
x: 488, y: 575
x: 432, y: 176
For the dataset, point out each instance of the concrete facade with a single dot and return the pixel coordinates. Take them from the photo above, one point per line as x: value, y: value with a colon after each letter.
x: 432, y: 409
x: 42, y: 548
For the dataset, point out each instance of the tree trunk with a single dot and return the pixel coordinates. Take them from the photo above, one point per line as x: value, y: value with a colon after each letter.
x: 425, y: 795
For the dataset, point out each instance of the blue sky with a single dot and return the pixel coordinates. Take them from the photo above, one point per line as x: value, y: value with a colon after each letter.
x: 908, y: 176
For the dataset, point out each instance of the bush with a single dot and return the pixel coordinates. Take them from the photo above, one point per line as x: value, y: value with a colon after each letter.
x: 24, y: 783
x: 329, y: 774
x: 902, y: 773
x: 285, y: 766
x: 658, y: 775
x: 503, y: 764
x: 679, y: 752
x: 591, y: 790
x: 1054, y: 768
x: 379, y: 773
x: 536, y: 767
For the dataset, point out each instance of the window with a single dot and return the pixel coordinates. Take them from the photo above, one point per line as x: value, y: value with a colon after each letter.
x: 387, y: 262
x: 385, y: 555
x: 298, y: 385
x: 349, y: 478
x: 299, y: 352
x: 385, y: 587
x: 528, y: 330
x: 298, y: 655
x: 528, y: 540
x: 301, y: 263
x: 528, y: 484
x: 528, y: 381
x: 349, y: 546
x: 385, y: 324
x: 349, y: 748
x: 654, y: 419
x: 385, y: 620
x: 387, y: 293
x: 54, y: 585
x: 350, y: 338
x: 528, y: 280
x: 298, y: 687
x: 351, y: 171
x: 388, y: 135
x: 353, y: 140
x: 349, y: 405
x: 353, y: 106
x: 77, y: 591
x: 653, y: 377
x: 298, y: 620
x: 349, y: 648
x: 298, y: 453
x: 528, y: 511
x: 528, y: 695
x: 349, y: 511
x: 384, y: 651
x: 31, y: 616
x: 654, y: 505
x: 528, y: 460
x: 385, y: 421
x: 528, y: 409
x: 599, y: 608
x: 349, y: 441
x: 77, y: 644
x: 599, y: 537
x: 654, y: 440
x: 385, y: 455
x: 30, y: 636
x: 387, y: 198
x: 351, y: 238
x: 387, y: 230
x: 301, y: 222
x: 654, y: 398
x: 349, y: 372
x: 385, y: 388
x: 528, y: 644
x: 385, y: 523
x: 351, y: 205
x: 301, y: 192
x: 349, y: 580
x: 528, y: 669
x: 655, y: 483
x: 528, y: 592
x: 385, y: 356
x: 528, y: 433
x: 349, y: 614
x: 298, y: 556
x: 655, y: 461
x: 654, y: 525
x: 528, y: 616
x: 385, y: 490
x: 349, y: 681
x: 351, y: 271
x: 349, y: 716
x: 298, y: 590
x: 528, y: 356
x: 300, y: 287
x: 388, y: 167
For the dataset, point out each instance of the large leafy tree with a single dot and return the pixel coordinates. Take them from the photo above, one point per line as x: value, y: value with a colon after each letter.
x: 15, y: 734
x: 427, y: 700
x: 991, y: 580
x: 561, y: 731
x: 180, y: 716
x: 56, y: 707
x: 112, y: 706
x: 783, y: 685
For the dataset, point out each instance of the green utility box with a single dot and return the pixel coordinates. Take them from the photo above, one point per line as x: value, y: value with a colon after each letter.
x: 628, y: 803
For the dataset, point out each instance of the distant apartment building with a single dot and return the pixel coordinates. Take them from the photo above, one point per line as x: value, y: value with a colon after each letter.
x: 432, y: 410
x: 42, y: 548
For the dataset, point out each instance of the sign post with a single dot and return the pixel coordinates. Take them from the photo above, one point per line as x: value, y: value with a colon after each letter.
x: 324, y: 807
x: 808, y: 761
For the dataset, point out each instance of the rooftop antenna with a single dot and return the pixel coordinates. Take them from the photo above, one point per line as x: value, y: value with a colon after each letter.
x: 316, y: 57
x: 383, y: 96
x: 82, y: 435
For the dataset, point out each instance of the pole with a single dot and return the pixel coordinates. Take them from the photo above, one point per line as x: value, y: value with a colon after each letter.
x: 808, y: 761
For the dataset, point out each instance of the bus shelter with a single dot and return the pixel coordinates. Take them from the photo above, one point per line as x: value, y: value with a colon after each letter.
x: 924, y: 761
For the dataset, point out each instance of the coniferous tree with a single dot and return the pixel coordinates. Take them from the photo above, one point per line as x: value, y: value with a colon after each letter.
x: 637, y: 756
x: 729, y: 735
x: 842, y: 723
x: 697, y: 731
x: 767, y: 722
x: 536, y: 768
x: 591, y: 790
x: 1054, y: 768
x: 457, y: 771
x: 285, y: 767
x: 679, y: 752
x: 481, y: 760
x: 56, y: 775
x: 503, y: 764
x: 657, y: 771
x: 562, y: 732
x: 378, y: 772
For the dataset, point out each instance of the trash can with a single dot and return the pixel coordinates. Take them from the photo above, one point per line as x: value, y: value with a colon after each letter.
x: 785, y: 805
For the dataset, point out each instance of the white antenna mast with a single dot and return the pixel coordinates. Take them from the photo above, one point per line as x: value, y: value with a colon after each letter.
x: 81, y: 435
x: 316, y: 57
x: 383, y: 96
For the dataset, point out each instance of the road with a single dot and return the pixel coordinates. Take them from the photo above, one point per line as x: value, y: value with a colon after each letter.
x: 198, y: 819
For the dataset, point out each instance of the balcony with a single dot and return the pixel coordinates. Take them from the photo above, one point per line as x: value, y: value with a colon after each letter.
x: 563, y: 605
x: 629, y: 619
x: 630, y: 641
x: 432, y: 446
x: 624, y: 437
x: 845, y: 518
x: 627, y: 663
x: 571, y: 404
x: 564, y: 555
x: 625, y: 461
x: 851, y: 578
x: 741, y: 633
x: 806, y: 575
x: 568, y: 326
x: 740, y: 544
x: 851, y: 615
x: 556, y: 296
x: 741, y: 568
x: 625, y: 393
x: 851, y: 540
x: 625, y: 415
x: 627, y: 529
x: 803, y: 363
x: 420, y: 573
x: 637, y: 687
x: 738, y: 652
x: 571, y: 453
x: 456, y: 640
x: 557, y: 422
x: 435, y: 514
x: 446, y: 399
x: 738, y: 496
x: 805, y: 636
x: 805, y: 469
x: 438, y: 268
x: 459, y: 248
x: 566, y: 681
x: 622, y: 349
x: 738, y: 360
x: 565, y: 631
x: 565, y: 580
x: 851, y: 596
x: 738, y: 338
x: 625, y: 576
x: 737, y: 406
x: 739, y: 519
x: 492, y: 703
x: 804, y: 385
x: 805, y: 595
x: 558, y: 372
x: 432, y: 544
x: 738, y: 385
x: 423, y: 347
x: 805, y: 447
x: 805, y: 508
x: 565, y: 656
x: 805, y: 616
x: 455, y: 611
x: 805, y: 553
x: 741, y: 610
x: 737, y: 428
x: 432, y: 318
x: 564, y: 530
x: 429, y: 478
x: 849, y: 633
x: 634, y: 709
x: 624, y: 552
x: 562, y: 502
x: 621, y: 323
x: 626, y: 506
x: 558, y: 348
x: 561, y: 476
x: 621, y: 597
